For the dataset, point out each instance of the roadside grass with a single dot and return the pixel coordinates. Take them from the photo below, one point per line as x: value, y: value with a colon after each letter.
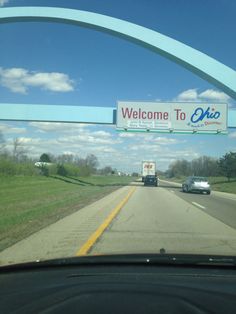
x: 29, y: 203
x: 174, y: 179
x: 220, y: 184
x: 223, y: 185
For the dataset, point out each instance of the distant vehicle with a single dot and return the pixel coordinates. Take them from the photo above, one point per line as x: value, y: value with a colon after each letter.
x: 151, y: 180
x: 196, y: 184
x: 148, y: 168
x: 41, y: 164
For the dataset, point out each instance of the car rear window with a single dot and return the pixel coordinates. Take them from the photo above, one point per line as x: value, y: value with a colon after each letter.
x: 200, y: 179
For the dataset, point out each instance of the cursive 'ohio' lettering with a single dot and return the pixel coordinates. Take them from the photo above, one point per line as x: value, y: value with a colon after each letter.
x: 199, y: 114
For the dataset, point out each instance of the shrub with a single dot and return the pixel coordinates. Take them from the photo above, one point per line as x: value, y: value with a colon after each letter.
x: 61, y: 170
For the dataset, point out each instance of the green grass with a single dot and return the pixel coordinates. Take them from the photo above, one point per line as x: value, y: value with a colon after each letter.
x: 217, y: 183
x: 223, y: 185
x: 31, y: 203
x: 175, y: 179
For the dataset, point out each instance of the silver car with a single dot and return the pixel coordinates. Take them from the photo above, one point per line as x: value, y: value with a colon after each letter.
x: 196, y: 184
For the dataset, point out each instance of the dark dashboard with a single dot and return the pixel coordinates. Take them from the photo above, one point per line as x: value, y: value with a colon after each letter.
x: 113, y: 288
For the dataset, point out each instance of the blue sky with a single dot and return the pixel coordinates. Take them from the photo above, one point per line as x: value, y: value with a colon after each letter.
x: 53, y: 63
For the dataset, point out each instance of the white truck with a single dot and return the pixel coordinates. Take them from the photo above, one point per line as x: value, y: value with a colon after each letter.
x: 148, y: 168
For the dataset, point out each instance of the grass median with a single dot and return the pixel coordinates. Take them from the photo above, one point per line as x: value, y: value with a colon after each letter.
x: 30, y: 203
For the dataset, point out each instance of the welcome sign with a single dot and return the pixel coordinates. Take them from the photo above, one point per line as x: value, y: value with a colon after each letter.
x: 172, y: 117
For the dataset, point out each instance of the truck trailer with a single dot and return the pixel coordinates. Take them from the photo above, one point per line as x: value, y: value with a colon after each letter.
x: 148, y: 168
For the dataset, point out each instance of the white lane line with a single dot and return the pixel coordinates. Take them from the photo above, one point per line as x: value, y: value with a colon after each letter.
x: 198, y: 205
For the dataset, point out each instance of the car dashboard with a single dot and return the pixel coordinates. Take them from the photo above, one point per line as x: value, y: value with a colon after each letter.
x: 117, y: 288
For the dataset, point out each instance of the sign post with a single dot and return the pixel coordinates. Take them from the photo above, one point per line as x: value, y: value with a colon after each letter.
x: 176, y: 117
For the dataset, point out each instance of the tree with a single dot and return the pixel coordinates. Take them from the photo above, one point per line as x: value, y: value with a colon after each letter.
x: 65, y: 158
x: 202, y: 166
x: 92, y: 162
x: 61, y: 170
x: 45, y: 158
x: 205, y: 166
x: 2, y: 142
x: 227, y: 164
x: 179, y: 168
x: 106, y: 170
x: 19, y: 151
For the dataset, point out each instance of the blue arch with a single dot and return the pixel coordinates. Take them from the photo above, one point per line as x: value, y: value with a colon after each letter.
x: 199, y: 63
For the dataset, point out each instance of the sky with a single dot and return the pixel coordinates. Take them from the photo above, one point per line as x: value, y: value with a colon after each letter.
x: 55, y: 63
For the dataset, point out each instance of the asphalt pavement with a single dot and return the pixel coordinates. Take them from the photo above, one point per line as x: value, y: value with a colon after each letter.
x: 219, y: 205
x: 163, y: 218
x: 137, y: 219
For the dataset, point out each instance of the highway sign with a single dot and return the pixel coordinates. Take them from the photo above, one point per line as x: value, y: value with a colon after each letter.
x: 172, y: 117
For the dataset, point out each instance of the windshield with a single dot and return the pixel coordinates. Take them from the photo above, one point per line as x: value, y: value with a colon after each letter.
x: 200, y: 179
x: 90, y: 107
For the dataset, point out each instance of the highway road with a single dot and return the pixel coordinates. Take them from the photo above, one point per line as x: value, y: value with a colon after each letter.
x: 137, y: 219
x: 219, y: 205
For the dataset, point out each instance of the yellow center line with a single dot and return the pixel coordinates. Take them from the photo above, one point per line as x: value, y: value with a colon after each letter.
x: 97, y: 234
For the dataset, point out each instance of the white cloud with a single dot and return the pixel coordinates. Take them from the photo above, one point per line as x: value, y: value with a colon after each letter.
x: 3, y: 2
x: 19, y: 80
x: 90, y: 138
x: 149, y: 138
x: 26, y: 141
x: 127, y: 135
x: 68, y: 153
x: 211, y: 94
x: 167, y: 141
x: 146, y: 147
x: 87, y: 137
x: 100, y: 150
x: 9, y: 129
x: 58, y: 126
x: 29, y: 140
x: 102, y: 134
x: 207, y: 95
x: 188, y: 95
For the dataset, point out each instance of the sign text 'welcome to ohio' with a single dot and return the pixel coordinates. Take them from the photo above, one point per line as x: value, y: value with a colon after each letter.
x: 172, y: 117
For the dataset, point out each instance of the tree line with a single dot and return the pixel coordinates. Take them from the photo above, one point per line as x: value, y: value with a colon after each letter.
x: 204, y: 166
x: 67, y: 165
x: 18, y: 162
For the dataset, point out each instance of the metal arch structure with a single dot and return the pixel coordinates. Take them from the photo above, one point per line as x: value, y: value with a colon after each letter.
x: 197, y: 62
